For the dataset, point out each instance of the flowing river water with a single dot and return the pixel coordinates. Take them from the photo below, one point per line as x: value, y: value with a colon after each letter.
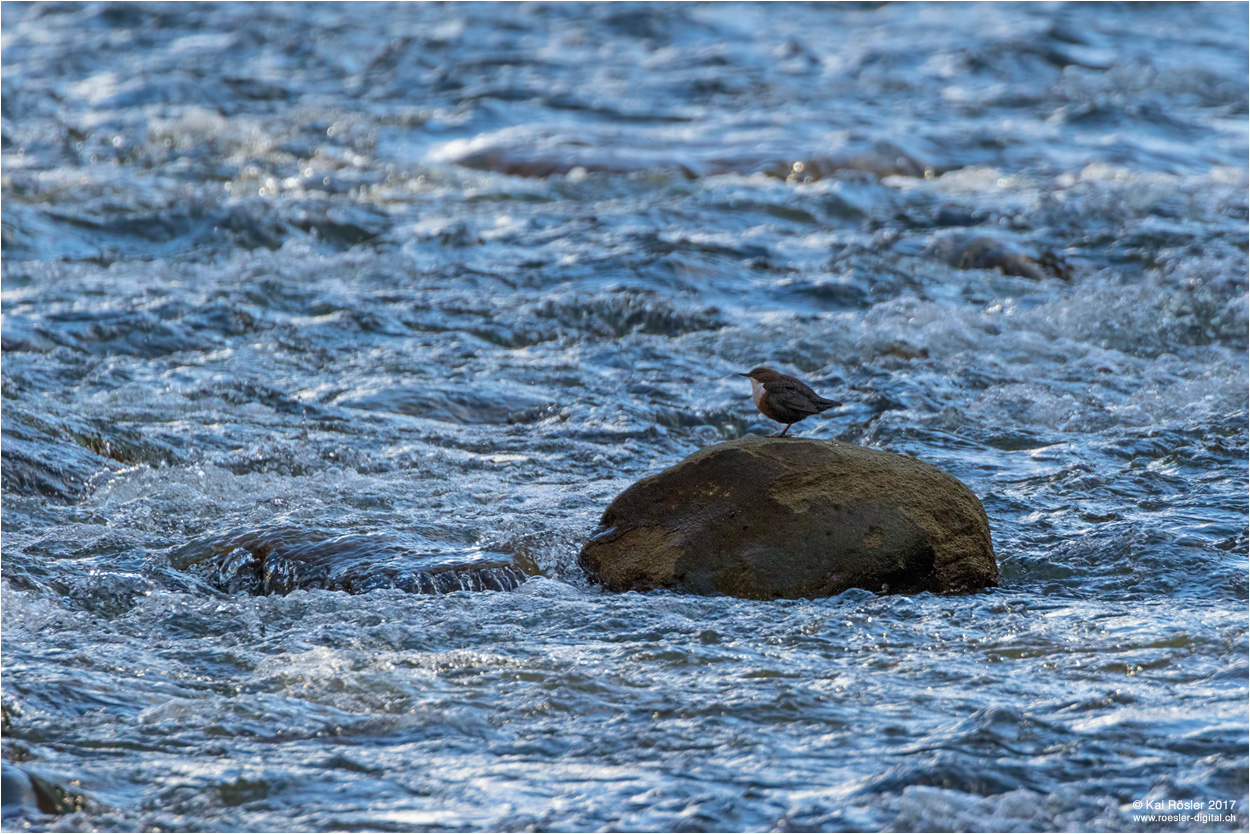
x: 426, y: 286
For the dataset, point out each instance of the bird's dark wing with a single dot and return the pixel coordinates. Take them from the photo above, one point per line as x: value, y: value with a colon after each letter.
x: 792, y: 395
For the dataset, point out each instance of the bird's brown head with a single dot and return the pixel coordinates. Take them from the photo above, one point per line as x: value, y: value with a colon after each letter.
x: 762, y: 374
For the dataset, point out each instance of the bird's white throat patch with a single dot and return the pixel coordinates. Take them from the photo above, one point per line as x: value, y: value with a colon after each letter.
x: 757, y: 391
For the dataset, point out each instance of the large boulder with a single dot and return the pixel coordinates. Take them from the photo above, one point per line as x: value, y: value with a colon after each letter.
x: 789, y: 517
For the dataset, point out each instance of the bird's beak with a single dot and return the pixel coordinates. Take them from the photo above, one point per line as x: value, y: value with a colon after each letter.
x: 743, y: 374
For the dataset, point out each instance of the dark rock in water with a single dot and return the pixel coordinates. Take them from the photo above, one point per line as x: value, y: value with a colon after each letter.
x: 280, y: 561
x: 25, y: 794
x: 55, y: 457
x: 984, y: 252
x: 788, y: 517
x: 450, y: 403
x: 17, y: 793
x: 882, y: 159
x: 555, y: 156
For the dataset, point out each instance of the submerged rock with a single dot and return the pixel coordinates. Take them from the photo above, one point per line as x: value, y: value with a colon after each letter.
x: 555, y: 156
x: 964, y: 251
x: 790, y: 517
x: 280, y: 561
x: 56, y: 456
x: 25, y: 794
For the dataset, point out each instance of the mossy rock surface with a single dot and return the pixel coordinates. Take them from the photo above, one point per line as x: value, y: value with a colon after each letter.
x: 767, y: 518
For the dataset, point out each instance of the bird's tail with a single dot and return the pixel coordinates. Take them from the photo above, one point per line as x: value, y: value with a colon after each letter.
x: 824, y: 405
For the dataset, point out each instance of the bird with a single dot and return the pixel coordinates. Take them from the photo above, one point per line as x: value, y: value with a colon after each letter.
x: 784, y: 398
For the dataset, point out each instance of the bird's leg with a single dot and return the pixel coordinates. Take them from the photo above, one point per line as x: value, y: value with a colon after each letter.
x: 788, y: 425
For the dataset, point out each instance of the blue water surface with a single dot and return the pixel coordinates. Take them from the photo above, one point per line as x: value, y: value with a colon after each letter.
x: 423, y: 287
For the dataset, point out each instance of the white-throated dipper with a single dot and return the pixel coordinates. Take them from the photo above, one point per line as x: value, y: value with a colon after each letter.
x: 784, y: 398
